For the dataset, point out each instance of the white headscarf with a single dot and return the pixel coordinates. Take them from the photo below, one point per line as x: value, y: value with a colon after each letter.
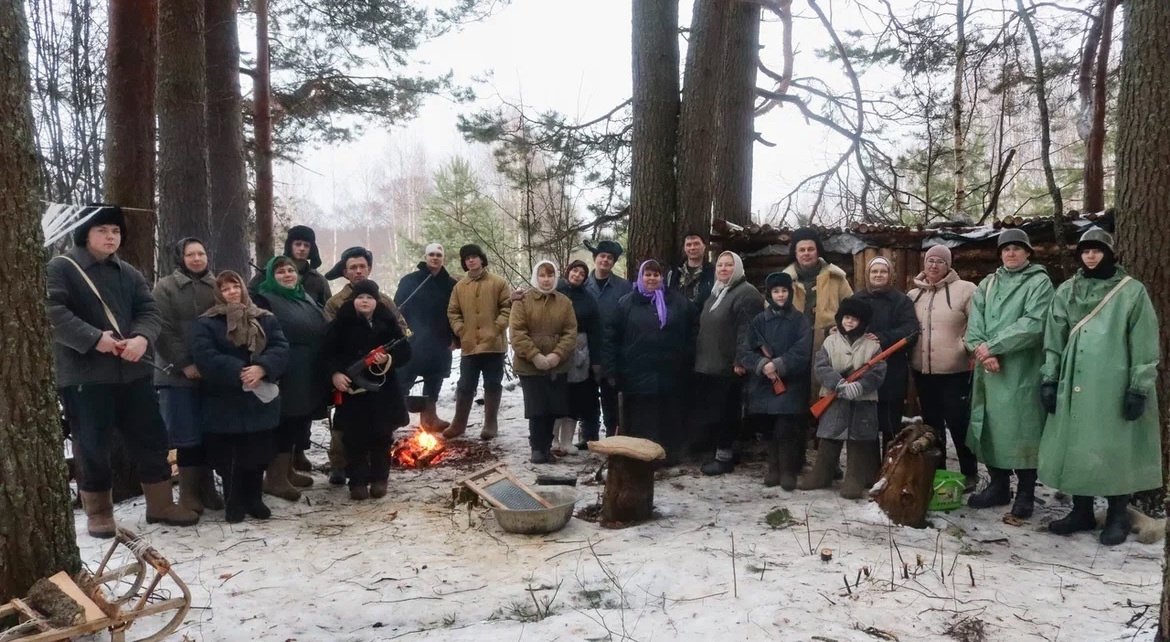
x: 536, y: 270
x: 720, y: 288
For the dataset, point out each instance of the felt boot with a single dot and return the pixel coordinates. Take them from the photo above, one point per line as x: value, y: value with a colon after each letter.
x: 99, y: 513
x: 429, y: 420
x: 998, y: 491
x: 491, y: 411
x: 233, y: 497
x: 336, y: 457
x: 298, y: 480
x: 255, y: 505
x: 1116, y: 521
x: 458, y: 424
x: 208, y: 495
x: 772, y: 476
x: 861, y: 466
x: 190, y: 480
x: 789, y: 454
x: 359, y: 492
x: 161, y: 507
x: 1080, y: 518
x: 821, y: 475
x: 565, y: 428
x: 301, y: 462
x: 276, y: 481
x: 1024, y: 505
x: 378, y: 489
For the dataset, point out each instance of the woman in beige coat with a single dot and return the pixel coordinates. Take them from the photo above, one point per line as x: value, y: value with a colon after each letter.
x: 544, y: 332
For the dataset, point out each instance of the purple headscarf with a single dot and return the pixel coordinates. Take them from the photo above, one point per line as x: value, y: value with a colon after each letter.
x: 657, y: 296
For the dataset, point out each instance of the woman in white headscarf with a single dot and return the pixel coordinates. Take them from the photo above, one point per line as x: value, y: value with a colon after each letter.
x: 727, y: 313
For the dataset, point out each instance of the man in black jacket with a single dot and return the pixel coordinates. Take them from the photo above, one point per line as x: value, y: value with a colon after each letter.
x: 104, y: 325
x: 428, y: 290
x: 694, y: 277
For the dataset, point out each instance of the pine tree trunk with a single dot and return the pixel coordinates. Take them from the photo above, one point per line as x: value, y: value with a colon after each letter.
x: 696, y: 127
x: 227, y: 170
x: 262, y: 122
x: 1143, y: 190
x: 655, y: 132
x: 735, y: 111
x: 182, y: 127
x: 1095, y: 145
x: 131, y: 58
x: 957, y: 109
x: 36, y: 523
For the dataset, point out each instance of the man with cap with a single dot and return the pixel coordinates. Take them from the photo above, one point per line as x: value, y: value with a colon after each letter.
x: 939, y: 360
x: 606, y: 288
x: 428, y: 289
x: 1099, y: 389
x: 301, y: 246
x: 105, y: 323
x: 1005, y: 332
x: 478, y: 311
x: 695, y: 276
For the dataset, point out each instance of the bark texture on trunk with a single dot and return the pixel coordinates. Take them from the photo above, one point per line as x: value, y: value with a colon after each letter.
x: 182, y: 126
x: 227, y: 169
x: 1095, y: 144
x: 655, y: 132
x: 734, y: 145
x: 697, y: 124
x: 629, y: 492
x: 36, y: 523
x: 1143, y: 189
x: 131, y: 59
x: 957, y: 109
x: 262, y: 121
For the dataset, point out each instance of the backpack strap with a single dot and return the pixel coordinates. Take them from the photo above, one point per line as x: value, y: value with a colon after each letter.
x: 93, y: 288
x: 1100, y: 306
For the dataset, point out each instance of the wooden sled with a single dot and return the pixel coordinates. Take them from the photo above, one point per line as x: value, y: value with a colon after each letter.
x: 105, y: 603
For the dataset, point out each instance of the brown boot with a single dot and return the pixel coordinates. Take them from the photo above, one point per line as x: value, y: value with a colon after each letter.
x: 337, y: 452
x: 459, y: 422
x: 162, y: 509
x: 429, y: 420
x: 190, y: 478
x: 378, y: 489
x: 861, y: 466
x: 99, y: 514
x: 821, y: 475
x: 208, y: 495
x: 298, y: 480
x: 276, y: 478
x: 359, y: 492
x: 301, y: 462
x: 491, y: 411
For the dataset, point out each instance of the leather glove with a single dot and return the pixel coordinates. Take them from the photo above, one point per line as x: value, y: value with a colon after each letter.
x: 553, y: 360
x: 1134, y: 405
x: 541, y: 362
x: 851, y: 391
x: 1048, y: 396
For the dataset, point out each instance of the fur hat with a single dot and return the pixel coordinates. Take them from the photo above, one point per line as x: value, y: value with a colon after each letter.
x: 855, y: 307
x: 106, y: 215
x: 367, y: 286
x: 612, y: 248
x: 806, y: 234
x: 1095, y: 237
x: 1014, y: 236
x: 306, y: 234
x: 778, y: 280
x: 338, y: 269
x: 939, y: 252
x: 468, y: 251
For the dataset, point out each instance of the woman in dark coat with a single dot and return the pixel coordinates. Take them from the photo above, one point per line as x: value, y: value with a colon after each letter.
x: 644, y: 354
x: 182, y: 296
x: 893, y: 319
x: 302, y: 389
x: 241, y: 354
x: 583, y: 391
x: 366, y: 419
x: 777, y: 347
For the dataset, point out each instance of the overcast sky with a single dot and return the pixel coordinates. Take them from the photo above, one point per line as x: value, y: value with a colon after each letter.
x: 574, y: 56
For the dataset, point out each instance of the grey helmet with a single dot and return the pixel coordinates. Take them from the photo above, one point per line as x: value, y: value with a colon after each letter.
x: 1016, y: 236
x: 1095, y: 236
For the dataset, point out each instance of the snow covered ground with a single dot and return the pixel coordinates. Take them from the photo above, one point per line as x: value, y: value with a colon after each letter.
x: 409, y: 567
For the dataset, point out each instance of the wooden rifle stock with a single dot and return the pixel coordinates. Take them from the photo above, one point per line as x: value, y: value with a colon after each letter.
x: 823, y: 403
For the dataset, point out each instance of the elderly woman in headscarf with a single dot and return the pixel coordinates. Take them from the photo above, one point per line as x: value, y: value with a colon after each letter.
x: 543, y: 328
x: 241, y: 353
x: 718, y: 405
x: 182, y: 296
x: 302, y: 391
x: 583, y: 372
x: 893, y: 319
x: 643, y: 353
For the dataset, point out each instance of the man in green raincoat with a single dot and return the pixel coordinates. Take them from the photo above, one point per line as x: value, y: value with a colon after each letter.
x: 1005, y: 332
x: 1100, y: 366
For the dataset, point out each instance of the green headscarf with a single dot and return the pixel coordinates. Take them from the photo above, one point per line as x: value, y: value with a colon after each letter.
x: 271, y: 286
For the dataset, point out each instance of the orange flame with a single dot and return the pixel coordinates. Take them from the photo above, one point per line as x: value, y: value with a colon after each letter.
x: 419, y: 451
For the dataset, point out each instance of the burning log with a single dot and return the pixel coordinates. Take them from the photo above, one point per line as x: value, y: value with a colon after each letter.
x: 418, y: 451
x: 906, y: 484
x: 629, y: 486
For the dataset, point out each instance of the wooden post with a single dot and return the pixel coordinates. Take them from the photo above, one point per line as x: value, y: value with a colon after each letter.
x: 906, y: 484
x: 629, y: 491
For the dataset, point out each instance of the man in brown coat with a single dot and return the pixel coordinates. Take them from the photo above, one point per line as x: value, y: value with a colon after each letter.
x: 478, y: 312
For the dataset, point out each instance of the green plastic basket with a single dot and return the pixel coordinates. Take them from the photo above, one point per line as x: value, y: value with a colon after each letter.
x: 948, y: 491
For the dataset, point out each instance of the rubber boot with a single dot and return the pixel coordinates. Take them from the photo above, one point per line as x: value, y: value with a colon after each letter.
x: 276, y: 478
x: 301, y: 462
x: 255, y: 505
x: 297, y: 479
x: 190, y: 478
x: 998, y: 491
x: 821, y: 475
x: 161, y: 507
x: 861, y: 466
x: 99, y: 514
x: 1080, y: 518
x: 208, y: 495
x: 1024, y: 505
x: 491, y: 411
x: 1116, y: 521
x: 429, y: 420
x: 459, y: 421
x: 772, y: 476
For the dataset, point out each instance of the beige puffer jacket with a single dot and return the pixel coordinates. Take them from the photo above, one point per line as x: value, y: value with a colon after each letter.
x: 942, y: 310
x: 478, y: 312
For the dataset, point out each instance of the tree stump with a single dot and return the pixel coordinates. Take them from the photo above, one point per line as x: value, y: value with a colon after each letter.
x: 906, y: 484
x: 629, y: 485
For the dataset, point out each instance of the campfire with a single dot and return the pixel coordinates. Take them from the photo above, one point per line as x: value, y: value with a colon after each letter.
x: 418, y: 451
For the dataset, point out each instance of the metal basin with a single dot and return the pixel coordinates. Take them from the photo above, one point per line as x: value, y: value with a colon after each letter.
x: 543, y: 520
